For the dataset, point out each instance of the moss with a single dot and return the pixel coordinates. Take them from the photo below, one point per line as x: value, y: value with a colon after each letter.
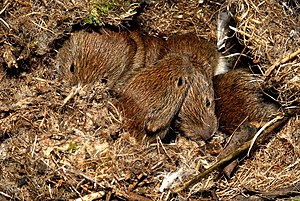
x: 296, y: 198
x: 100, y: 10
x: 73, y: 146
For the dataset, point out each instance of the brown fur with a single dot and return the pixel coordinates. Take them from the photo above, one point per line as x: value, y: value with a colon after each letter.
x: 155, y: 49
x: 89, y: 57
x: 203, y: 54
x: 119, y: 58
x: 154, y: 96
x: 197, y: 115
x: 240, y: 98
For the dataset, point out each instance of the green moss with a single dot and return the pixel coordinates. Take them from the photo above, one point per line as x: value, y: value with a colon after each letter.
x: 100, y: 9
x: 73, y: 146
x: 296, y: 198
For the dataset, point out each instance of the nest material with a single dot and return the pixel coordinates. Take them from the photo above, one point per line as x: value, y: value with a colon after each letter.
x: 270, y: 30
x: 54, y: 150
x: 177, y: 17
x: 271, y: 168
x: 51, y: 149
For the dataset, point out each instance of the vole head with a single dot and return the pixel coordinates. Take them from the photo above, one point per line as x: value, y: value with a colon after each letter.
x: 95, y: 56
x: 196, y: 118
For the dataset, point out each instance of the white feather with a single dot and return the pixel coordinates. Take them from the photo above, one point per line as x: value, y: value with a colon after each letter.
x: 169, y: 179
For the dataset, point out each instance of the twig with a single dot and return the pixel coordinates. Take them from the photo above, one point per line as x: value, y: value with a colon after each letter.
x: 4, y: 8
x: 252, y: 20
x: 5, y: 23
x: 220, y: 163
x: 159, y: 142
x: 73, y: 92
x: 43, y: 80
x: 34, y: 145
x: 286, y: 192
x: 261, y: 130
x: 131, y: 196
x: 245, y: 34
x: 44, y: 28
x: 284, y: 60
x: 79, y: 173
x: 5, y: 195
x: 233, y: 155
x: 43, y: 120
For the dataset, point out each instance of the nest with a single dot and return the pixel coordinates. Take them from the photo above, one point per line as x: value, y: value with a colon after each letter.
x: 51, y: 148
x: 270, y: 30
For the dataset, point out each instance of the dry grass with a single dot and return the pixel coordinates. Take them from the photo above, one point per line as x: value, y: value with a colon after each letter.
x: 53, y: 150
x: 271, y: 31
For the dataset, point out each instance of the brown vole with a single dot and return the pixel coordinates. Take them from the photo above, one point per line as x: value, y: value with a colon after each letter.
x: 241, y: 107
x: 203, y: 53
x: 122, y: 60
x: 196, y: 117
x: 170, y: 94
x: 107, y: 56
x: 154, y: 96
x: 239, y: 98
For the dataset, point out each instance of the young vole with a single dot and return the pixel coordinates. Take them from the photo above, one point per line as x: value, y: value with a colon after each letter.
x: 203, y: 53
x: 100, y: 56
x: 196, y: 117
x: 153, y: 97
x: 141, y: 63
x: 171, y: 94
x: 239, y: 98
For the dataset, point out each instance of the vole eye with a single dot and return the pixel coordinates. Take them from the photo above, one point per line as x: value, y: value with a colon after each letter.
x: 72, y: 68
x: 207, y: 103
x: 180, y: 82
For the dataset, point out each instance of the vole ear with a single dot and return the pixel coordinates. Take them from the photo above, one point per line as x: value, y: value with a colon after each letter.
x: 159, y: 120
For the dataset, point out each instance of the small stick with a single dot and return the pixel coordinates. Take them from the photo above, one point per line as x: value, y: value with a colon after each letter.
x: 233, y: 155
x: 5, y: 195
x: 261, y: 131
x: 73, y: 92
x: 218, y: 164
x: 284, y: 60
x: 244, y: 34
x: 4, y: 8
x: 131, y: 196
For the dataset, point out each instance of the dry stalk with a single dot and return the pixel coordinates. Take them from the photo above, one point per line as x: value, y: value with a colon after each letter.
x: 132, y: 196
x: 277, y: 122
x: 261, y: 131
x: 217, y: 165
x: 279, y: 62
x: 73, y: 92
x: 250, y: 36
x: 5, y: 195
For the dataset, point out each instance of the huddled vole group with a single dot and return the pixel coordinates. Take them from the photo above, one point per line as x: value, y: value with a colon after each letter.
x: 164, y: 86
x: 160, y: 85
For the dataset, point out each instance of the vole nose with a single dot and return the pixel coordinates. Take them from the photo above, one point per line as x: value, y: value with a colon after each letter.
x: 210, y: 131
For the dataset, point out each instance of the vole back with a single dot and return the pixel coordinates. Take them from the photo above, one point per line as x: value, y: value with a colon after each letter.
x: 239, y: 98
x: 153, y: 97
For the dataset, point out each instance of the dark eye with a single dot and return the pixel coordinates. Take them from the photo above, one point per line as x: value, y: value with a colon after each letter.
x: 180, y: 82
x: 207, y: 103
x: 72, y: 68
